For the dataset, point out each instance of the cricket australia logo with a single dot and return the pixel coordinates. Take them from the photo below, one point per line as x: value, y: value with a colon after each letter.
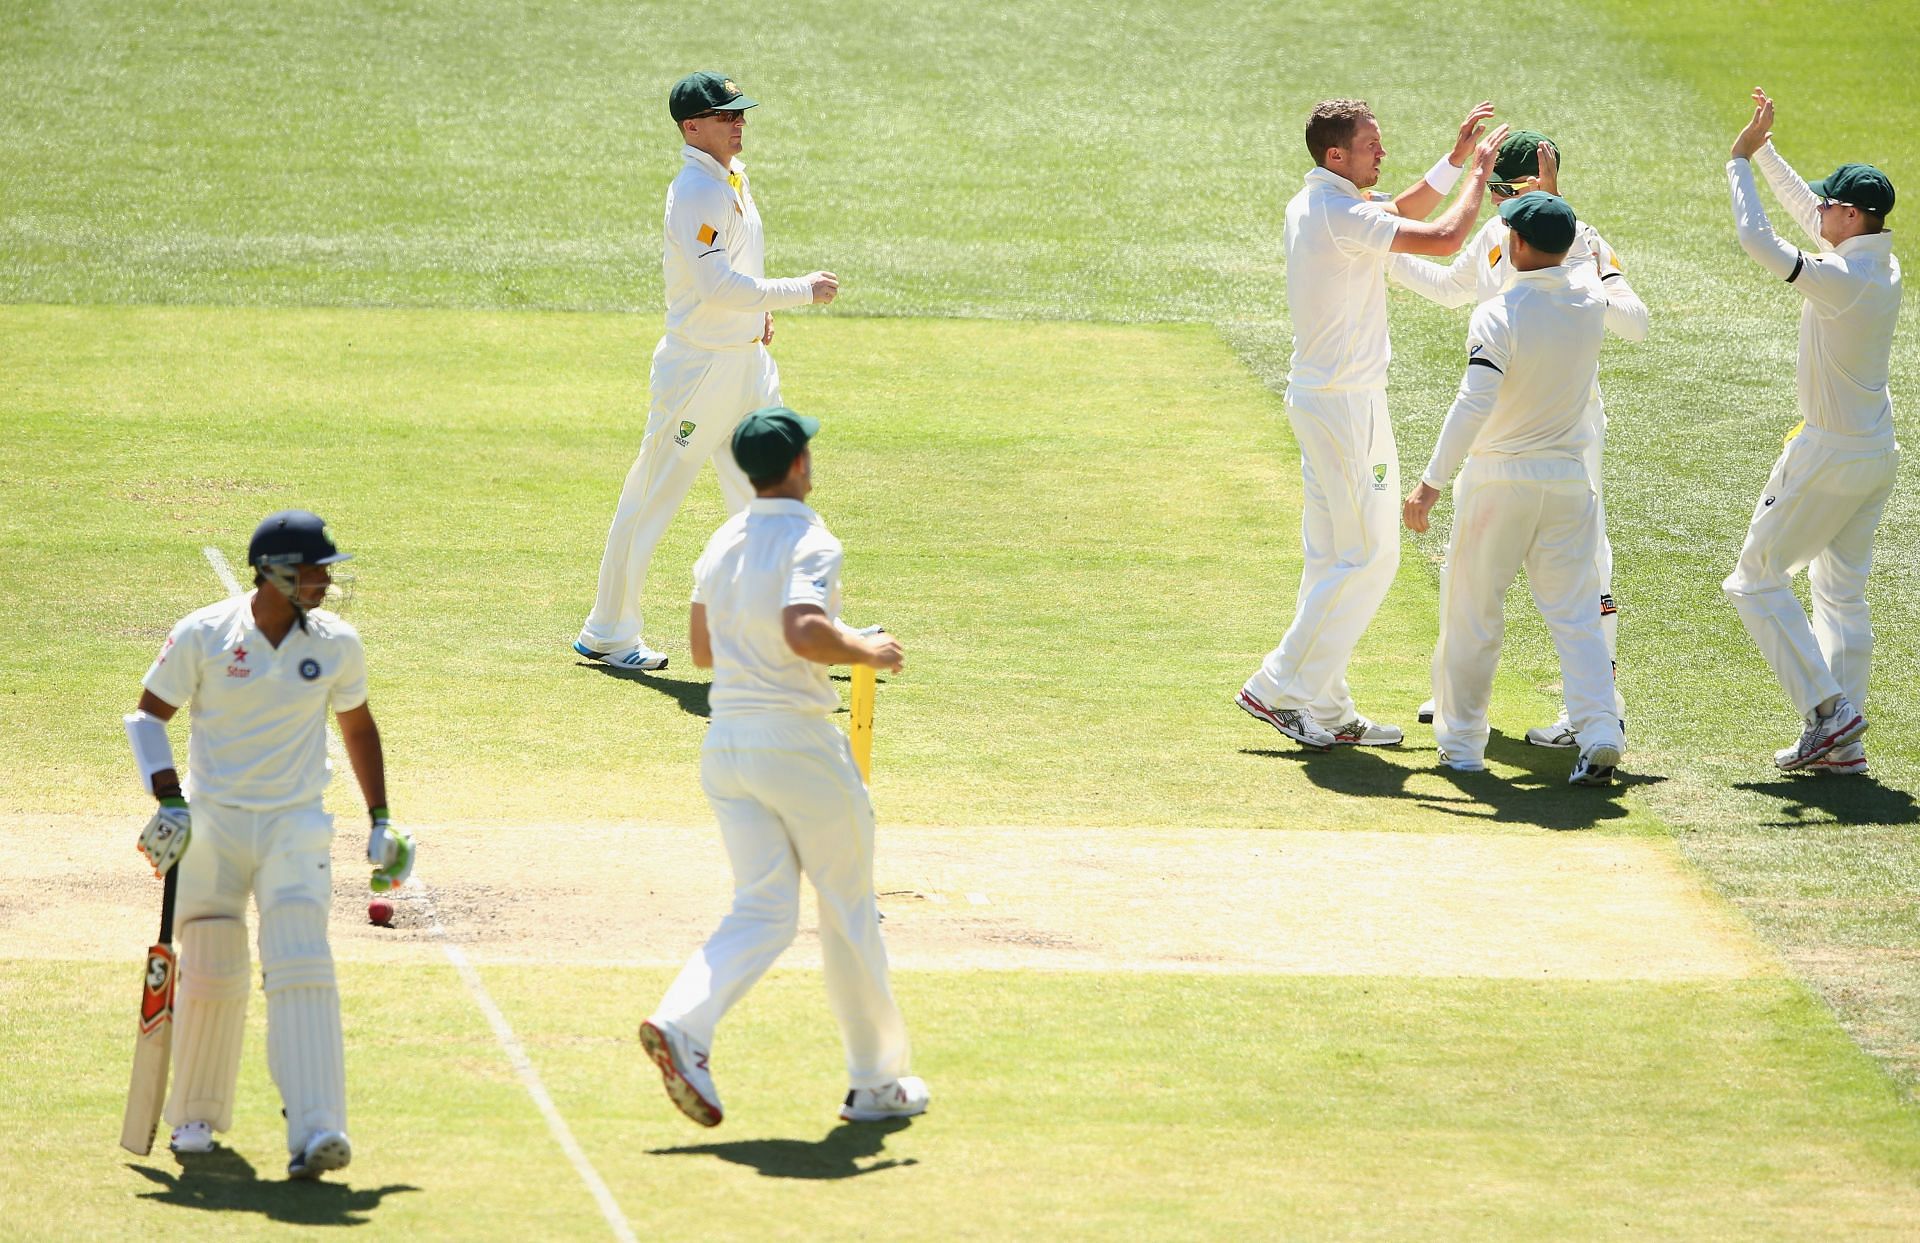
x: 686, y: 430
x: 1379, y: 476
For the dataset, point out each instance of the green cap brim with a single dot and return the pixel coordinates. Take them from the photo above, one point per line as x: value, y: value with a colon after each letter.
x: 808, y: 424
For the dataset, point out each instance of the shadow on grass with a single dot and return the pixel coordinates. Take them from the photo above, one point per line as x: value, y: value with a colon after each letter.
x: 691, y: 696
x: 837, y: 1155
x: 1814, y: 799
x: 222, y: 1181
x: 1539, y: 795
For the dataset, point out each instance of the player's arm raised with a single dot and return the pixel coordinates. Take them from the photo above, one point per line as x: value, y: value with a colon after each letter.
x: 1419, y: 199
x: 1450, y: 232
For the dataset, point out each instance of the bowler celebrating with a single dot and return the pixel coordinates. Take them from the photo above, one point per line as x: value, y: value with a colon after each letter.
x: 1831, y: 482
x: 710, y: 368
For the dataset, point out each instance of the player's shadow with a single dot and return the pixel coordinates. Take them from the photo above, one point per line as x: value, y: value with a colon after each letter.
x: 1814, y: 799
x: 222, y: 1181
x: 691, y: 696
x: 1539, y: 795
x: 838, y: 1155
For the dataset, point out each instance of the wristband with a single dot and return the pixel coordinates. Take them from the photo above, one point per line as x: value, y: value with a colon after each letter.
x: 1444, y: 175
x: 152, y: 752
x: 378, y: 815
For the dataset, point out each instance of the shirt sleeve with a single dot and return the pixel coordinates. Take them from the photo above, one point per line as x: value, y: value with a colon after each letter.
x: 1627, y: 316
x: 697, y: 224
x: 815, y: 578
x: 1794, y: 194
x: 1364, y: 228
x: 1489, y: 350
x: 350, y: 681
x: 175, y: 674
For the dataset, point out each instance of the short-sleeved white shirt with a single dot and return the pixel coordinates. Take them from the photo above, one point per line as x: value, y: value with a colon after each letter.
x: 774, y: 554
x: 259, y: 725
x: 1338, y: 240
x: 714, y: 258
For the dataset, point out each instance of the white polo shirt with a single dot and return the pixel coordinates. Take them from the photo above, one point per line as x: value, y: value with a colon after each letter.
x: 773, y: 554
x: 1338, y: 239
x: 1532, y: 354
x: 714, y: 259
x: 1482, y: 270
x: 259, y: 725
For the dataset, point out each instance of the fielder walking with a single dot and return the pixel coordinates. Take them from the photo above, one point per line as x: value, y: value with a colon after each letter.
x: 1529, y: 160
x: 710, y: 368
x: 260, y: 671
x: 1524, y: 497
x: 783, y: 784
x: 1829, y: 485
x: 1339, y: 235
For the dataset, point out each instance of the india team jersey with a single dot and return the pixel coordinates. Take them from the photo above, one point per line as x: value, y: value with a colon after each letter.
x: 259, y: 733
x: 773, y: 554
x: 714, y: 258
x: 1338, y: 239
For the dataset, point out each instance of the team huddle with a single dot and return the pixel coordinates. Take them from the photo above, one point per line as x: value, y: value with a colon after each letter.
x: 1521, y: 448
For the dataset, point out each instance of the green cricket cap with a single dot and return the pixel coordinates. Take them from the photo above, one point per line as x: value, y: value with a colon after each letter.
x: 1858, y: 185
x: 768, y: 440
x: 705, y: 91
x: 1519, y: 155
x: 1543, y: 219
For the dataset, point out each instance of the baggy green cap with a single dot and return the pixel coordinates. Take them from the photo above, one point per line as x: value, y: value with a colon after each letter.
x: 1543, y: 219
x: 705, y: 91
x: 1519, y: 155
x: 1857, y: 185
x: 768, y: 440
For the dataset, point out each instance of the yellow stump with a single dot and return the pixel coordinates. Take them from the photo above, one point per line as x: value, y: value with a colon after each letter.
x: 860, y: 730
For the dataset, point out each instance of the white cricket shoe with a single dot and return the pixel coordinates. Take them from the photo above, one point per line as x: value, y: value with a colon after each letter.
x: 327, y: 1150
x: 1360, y: 732
x: 1424, y: 714
x: 1463, y: 763
x: 639, y: 657
x: 903, y: 1098
x: 192, y: 1138
x: 683, y: 1069
x: 1559, y: 734
x: 1849, y: 760
x: 1291, y: 722
x: 1822, y: 735
x: 1595, y: 765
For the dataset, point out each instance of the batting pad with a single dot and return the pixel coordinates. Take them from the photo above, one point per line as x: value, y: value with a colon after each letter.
x: 209, y: 1018
x: 304, y: 1048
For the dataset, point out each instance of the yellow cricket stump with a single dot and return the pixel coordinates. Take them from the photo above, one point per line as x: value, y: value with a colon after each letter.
x: 860, y: 726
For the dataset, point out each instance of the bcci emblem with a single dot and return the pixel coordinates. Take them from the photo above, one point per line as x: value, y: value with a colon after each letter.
x: 686, y: 430
x: 309, y: 668
x: 1379, y: 476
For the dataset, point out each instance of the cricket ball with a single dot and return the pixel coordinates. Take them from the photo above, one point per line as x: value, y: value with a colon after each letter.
x: 380, y: 911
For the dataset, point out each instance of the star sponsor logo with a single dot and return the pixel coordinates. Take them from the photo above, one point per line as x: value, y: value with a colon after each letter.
x: 239, y: 653
x: 686, y: 430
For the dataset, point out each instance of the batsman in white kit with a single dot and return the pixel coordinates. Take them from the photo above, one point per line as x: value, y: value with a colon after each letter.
x: 260, y: 672
x: 1519, y: 436
x: 710, y: 368
x: 1831, y: 482
x: 783, y: 785
x: 1529, y: 160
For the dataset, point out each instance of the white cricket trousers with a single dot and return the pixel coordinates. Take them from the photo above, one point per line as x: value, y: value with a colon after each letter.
x: 790, y: 801
x: 282, y: 859
x: 1350, y: 534
x: 1822, y: 504
x: 1509, y: 513
x: 698, y: 397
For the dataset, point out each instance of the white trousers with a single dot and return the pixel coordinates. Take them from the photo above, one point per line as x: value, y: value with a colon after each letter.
x: 1818, y: 513
x: 1540, y: 514
x: 1350, y: 535
x: 698, y: 398
x: 790, y: 801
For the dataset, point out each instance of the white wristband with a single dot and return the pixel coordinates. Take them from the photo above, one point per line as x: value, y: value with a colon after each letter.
x: 1444, y: 175
x: 152, y: 752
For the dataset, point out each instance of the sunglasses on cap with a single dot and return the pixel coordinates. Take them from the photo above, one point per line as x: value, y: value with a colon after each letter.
x: 1824, y: 202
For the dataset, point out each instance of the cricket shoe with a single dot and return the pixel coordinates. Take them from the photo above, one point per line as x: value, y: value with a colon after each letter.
x: 903, y: 1098
x: 683, y: 1068
x: 1424, y: 714
x: 328, y: 1150
x: 191, y: 1139
x: 1846, y: 761
x: 639, y: 657
x: 1822, y: 735
x: 1558, y: 735
x: 1360, y: 732
x: 1292, y: 722
x: 1463, y: 763
x: 1595, y: 765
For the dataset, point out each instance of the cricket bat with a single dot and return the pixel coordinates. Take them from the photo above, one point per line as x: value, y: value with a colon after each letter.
x: 153, y: 1048
x: 860, y: 723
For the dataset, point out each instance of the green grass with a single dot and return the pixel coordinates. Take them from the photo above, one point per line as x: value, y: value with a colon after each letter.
x: 1065, y: 1105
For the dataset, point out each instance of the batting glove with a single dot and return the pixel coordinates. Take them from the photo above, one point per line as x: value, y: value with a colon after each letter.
x: 165, y: 838
x: 390, y: 851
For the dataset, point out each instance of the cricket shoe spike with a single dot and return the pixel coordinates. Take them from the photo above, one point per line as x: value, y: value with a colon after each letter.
x: 1822, y: 735
x: 1291, y: 722
x: 1360, y: 732
x: 683, y: 1070
x: 903, y: 1098
x: 328, y: 1150
x: 1844, y: 761
x: 1424, y: 714
x: 1595, y: 765
x: 639, y: 657
x: 191, y: 1139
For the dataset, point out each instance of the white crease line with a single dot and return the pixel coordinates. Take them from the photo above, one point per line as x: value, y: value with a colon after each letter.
x: 523, y: 1067
x: 223, y: 568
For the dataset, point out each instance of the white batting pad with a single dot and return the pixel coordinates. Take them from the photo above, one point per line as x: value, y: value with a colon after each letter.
x: 304, y: 1046
x: 209, y: 1018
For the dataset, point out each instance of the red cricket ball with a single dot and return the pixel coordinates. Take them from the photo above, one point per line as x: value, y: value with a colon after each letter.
x: 380, y: 911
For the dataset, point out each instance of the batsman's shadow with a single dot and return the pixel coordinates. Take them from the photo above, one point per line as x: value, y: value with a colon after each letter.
x: 691, y: 696
x: 1813, y: 799
x: 222, y: 1181
x: 838, y: 1155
